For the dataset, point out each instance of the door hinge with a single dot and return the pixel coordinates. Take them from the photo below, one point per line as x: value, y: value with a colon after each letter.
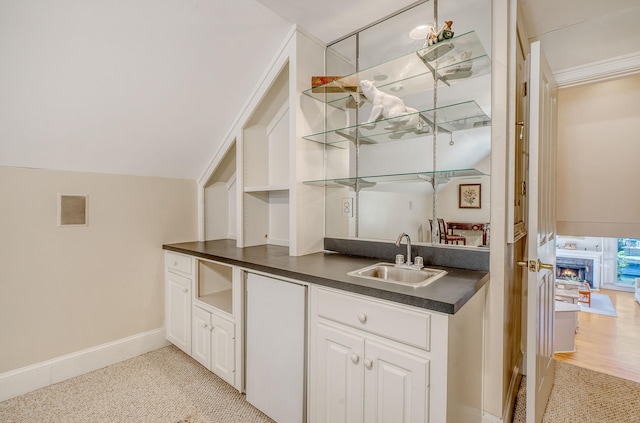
x: 523, y: 188
x: 524, y: 89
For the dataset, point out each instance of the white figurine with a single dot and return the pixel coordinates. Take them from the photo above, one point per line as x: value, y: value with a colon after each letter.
x: 387, y: 106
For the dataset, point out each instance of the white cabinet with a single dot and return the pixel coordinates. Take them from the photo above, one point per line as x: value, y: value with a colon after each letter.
x: 178, y: 298
x: 359, y: 379
x: 214, y: 343
x: 203, y: 309
x: 377, y: 361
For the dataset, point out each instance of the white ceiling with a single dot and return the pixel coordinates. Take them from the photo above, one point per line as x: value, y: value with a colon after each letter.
x: 573, y: 33
x: 576, y: 33
x: 151, y: 87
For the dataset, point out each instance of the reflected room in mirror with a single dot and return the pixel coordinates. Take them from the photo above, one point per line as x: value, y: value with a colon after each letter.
x: 403, y: 172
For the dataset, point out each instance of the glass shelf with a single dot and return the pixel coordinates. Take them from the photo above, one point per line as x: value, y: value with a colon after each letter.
x: 461, y: 57
x: 455, y: 117
x: 364, y: 182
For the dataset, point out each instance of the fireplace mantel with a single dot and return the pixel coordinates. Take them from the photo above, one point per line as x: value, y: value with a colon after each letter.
x: 562, y: 252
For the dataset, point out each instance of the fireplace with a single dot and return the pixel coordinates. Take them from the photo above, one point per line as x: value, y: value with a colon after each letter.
x: 574, y: 269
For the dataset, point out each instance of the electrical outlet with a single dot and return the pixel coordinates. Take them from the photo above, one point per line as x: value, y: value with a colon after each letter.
x: 347, y: 207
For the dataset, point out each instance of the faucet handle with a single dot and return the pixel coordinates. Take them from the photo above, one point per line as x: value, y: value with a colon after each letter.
x: 399, y: 259
x: 418, y: 262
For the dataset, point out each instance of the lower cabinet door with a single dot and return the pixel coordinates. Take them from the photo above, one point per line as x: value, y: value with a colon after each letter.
x: 223, y: 349
x: 338, y: 372
x: 214, y: 344
x: 178, y: 311
x: 396, y: 385
x: 201, y: 333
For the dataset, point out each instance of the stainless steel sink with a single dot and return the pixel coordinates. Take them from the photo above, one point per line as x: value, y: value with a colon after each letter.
x: 388, y: 272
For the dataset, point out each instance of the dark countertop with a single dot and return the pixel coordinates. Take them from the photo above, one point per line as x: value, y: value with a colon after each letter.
x: 446, y: 294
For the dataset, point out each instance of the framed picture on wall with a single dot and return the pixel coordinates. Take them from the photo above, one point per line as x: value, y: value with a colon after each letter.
x: 469, y: 196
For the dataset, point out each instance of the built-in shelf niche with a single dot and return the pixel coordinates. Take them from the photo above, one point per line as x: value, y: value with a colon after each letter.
x: 215, y: 285
x: 266, y: 144
x: 220, y: 205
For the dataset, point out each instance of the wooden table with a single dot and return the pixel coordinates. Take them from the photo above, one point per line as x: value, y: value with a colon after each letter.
x: 471, y: 226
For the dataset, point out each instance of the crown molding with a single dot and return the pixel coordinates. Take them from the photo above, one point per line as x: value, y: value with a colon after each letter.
x: 602, y: 70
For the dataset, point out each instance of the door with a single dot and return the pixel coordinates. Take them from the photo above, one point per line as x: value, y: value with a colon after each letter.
x: 338, y: 371
x: 201, y: 332
x: 396, y: 385
x: 223, y: 348
x: 178, y: 311
x: 541, y: 234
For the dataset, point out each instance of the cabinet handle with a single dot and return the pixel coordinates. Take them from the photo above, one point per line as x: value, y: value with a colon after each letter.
x: 368, y: 363
x: 355, y: 358
x: 175, y: 263
x: 185, y: 290
x: 362, y: 317
x: 204, y: 325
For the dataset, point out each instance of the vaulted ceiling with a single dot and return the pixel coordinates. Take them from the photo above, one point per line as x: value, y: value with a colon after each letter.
x: 152, y: 87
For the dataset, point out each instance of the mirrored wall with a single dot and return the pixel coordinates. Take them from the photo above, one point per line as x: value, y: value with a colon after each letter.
x: 416, y: 147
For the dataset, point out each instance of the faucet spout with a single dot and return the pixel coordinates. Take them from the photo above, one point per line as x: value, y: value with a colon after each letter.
x: 399, y: 240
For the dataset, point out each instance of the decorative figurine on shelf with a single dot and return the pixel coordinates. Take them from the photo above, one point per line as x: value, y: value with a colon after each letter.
x: 387, y: 106
x: 444, y: 33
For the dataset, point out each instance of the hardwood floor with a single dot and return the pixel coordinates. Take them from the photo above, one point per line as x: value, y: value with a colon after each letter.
x: 608, y: 344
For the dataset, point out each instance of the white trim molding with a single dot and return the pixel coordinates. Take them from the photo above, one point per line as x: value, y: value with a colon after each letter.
x: 490, y: 418
x: 602, y: 70
x: 40, y: 375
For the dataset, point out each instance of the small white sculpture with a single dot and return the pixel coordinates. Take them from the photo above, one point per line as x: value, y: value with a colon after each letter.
x: 387, y: 106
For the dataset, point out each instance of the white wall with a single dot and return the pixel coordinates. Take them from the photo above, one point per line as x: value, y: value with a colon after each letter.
x: 598, y: 158
x: 65, y: 289
x: 145, y: 87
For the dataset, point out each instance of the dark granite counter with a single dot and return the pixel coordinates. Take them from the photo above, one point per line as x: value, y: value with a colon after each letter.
x: 446, y: 294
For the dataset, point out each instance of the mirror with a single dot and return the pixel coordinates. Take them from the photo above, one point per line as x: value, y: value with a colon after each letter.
x: 386, y: 177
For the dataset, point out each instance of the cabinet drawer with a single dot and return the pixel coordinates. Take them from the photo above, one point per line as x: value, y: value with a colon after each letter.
x: 179, y: 263
x: 393, y: 322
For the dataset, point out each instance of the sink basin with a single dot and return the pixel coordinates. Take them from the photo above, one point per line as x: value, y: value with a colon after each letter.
x: 388, y: 272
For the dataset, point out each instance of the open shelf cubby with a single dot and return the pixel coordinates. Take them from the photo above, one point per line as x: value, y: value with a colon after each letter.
x: 215, y: 285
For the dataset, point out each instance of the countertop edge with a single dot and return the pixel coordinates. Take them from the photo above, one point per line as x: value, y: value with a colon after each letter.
x: 432, y: 304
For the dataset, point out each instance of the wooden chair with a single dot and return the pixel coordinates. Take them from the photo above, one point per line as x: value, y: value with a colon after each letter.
x: 585, y: 293
x: 447, y: 236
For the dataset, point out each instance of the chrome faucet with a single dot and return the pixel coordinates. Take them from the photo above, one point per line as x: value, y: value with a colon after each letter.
x: 399, y: 240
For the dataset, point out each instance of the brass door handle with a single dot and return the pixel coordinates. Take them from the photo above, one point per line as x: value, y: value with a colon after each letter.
x: 535, y: 266
x: 542, y: 265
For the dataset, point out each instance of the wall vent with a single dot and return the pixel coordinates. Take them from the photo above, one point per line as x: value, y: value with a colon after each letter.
x: 72, y: 210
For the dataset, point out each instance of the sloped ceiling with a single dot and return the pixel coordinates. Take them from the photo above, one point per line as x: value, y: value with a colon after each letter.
x: 151, y: 87
x: 129, y: 87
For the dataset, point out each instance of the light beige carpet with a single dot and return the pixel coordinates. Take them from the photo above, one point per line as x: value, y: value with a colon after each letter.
x: 583, y: 396
x: 163, y: 386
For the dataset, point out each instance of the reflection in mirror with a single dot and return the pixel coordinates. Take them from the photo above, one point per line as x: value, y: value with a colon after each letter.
x: 390, y: 177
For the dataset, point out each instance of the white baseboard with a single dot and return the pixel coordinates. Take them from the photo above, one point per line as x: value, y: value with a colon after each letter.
x: 490, y: 418
x: 40, y: 375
